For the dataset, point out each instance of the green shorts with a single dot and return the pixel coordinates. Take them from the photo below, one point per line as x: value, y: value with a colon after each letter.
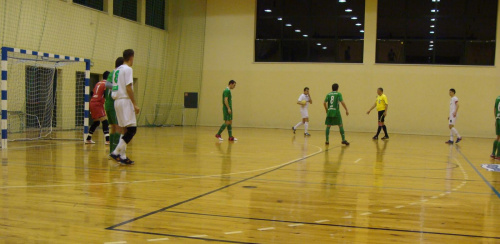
x: 498, y: 127
x: 333, y: 120
x: 226, y: 115
x: 111, y: 113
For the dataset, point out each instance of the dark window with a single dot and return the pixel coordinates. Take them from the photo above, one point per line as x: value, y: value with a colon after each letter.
x: 155, y: 13
x: 125, y: 8
x: 310, y: 31
x: 459, y: 32
x: 97, y: 4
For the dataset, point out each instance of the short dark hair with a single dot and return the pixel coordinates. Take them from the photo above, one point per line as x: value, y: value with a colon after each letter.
x: 335, y: 87
x: 105, y: 75
x: 119, y: 61
x: 381, y: 89
x: 306, y: 88
x: 127, y: 54
x: 231, y: 82
x: 453, y: 90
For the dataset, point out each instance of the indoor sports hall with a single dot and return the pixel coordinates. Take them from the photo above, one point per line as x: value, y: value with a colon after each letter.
x: 428, y: 177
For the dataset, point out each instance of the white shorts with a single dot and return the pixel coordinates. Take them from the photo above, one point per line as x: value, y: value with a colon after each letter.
x: 452, y: 119
x: 125, y: 113
x: 304, y: 113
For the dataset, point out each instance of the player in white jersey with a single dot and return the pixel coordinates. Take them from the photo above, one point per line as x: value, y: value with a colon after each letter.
x: 304, y: 101
x: 452, y: 118
x: 125, y: 105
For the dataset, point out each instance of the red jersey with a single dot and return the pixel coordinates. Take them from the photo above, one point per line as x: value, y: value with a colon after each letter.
x: 99, y: 89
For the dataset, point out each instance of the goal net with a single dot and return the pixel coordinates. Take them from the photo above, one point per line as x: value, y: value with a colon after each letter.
x: 46, y: 96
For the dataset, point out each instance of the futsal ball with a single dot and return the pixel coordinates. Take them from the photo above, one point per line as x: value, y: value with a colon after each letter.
x: 303, y: 102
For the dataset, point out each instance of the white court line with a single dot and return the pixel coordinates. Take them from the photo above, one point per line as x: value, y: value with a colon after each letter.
x: 384, y: 210
x: 170, y: 179
x: 115, y: 242
x: 322, y: 221
x: 367, y: 213
x: 400, y: 206
x: 264, y: 229
x: 359, y: 159
x: 434, y: 197
x: 159, y: 239
x: 414, y: 203
x: 292, y: 225
x: 198, y: 236
x: 347, y: 217
x: 233, y: 232
x: 424, y: 200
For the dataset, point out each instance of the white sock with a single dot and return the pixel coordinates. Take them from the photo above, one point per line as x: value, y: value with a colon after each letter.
x: 456, y: 132
x: 451, y: 135
x: 297, y: 125
x: 306, y: 125
x: 123, y: 154
x: 119, y: 148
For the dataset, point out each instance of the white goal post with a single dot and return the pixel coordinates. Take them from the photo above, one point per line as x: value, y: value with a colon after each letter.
x: 47, y: 93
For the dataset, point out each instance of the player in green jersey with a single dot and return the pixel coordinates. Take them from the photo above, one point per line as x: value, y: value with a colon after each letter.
x: 109, y: 106
x: 227, y: 111
x: 333, y: 116
x: 496, y: 143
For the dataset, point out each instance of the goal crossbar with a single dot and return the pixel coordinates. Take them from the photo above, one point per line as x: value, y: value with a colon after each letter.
x: 39, y: 56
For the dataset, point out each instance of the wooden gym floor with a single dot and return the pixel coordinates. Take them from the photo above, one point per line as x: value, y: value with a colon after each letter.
x: 269, y: 187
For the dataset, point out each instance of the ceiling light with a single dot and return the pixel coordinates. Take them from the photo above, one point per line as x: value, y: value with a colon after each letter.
x: 342, y: 1
x: 432, y: 26
x: 436, y: 1
x: 305, y: 35
x: 432, y: 32
x: 319, y: 44
x: 324, y: 48
x: 297, y: 31
x: 432, y: 41
x: 362, y: 31
x: 433, y: 19
x: 348, y: 10
x: 430, y: 49
x: 431, y: 45
x: 288, y: 25
x: 354, y: 17
x: 268, y: 11
x: 434, y: 10
x: 279, y: 18
x: 358, y: 24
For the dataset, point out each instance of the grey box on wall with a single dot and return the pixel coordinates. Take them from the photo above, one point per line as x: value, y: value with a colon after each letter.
x: 190, y: 100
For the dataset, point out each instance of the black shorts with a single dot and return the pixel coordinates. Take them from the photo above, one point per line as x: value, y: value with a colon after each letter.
x: 381, y: 116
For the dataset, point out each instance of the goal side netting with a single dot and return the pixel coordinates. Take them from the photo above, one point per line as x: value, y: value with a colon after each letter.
x: 44, y: 96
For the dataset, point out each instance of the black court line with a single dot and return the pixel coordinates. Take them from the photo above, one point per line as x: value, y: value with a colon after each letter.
x: 479, y: 173
x: 216, y: 190
x: 338, y: 225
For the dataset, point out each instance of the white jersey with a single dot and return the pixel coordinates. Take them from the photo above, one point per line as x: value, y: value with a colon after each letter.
x: 121, y: 79
x: 302, y: 98
x: 453, y: 104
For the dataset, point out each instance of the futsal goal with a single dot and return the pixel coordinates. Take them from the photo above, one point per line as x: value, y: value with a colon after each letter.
x: 44, y: 96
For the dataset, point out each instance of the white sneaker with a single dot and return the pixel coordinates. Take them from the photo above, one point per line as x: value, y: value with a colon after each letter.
x: 106, y: 143
x: 233, y: 138
x: 89, y: 142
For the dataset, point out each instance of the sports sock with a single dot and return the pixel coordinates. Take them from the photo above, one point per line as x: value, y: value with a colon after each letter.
x: 327, y: 133
x: 342, y: 133
x: 105, y: 129
x: 115, y: 139
x: 456, y: 132
x: 297, y: 125
x: 222, y: 128
x: 306, y: 126
x: 495, y: 147
x: 498, y: 149
x: 230, y: 130
x: 451, y: 135
x: 119, y: 147
x: 378, y: 130
x: 385, y: 130
x: 92, y: 129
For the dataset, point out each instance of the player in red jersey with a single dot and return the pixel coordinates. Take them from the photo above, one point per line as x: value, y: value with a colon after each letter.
x: 97, y: 110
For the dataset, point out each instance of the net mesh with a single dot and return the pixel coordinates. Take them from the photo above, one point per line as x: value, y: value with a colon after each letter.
x: 36, y: 86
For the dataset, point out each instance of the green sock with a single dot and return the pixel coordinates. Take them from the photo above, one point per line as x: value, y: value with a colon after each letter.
x: 230, y: 130
x: 495, y: 146
x: 115, y: 139
x: 342, y: 133
x: 222, y: 128
x: 498, y: 149
x: 327, y: 133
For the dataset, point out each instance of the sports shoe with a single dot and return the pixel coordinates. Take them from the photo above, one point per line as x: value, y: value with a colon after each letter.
x: 126, y: 161
x: 449, y: 142
x: 458, y: 140
x: 219, y: 137
x: 307, y: 134
x: 293, y: 128
x: 115, y: 157
x: 346, y: 143
x: 327, y: 142
x: 497, y: 158
x: 89, y: 142
x: 492, y: 156
x: 385, y: 138
x: 375, y: 138
x: 106, y: 143
x: 232, y: 139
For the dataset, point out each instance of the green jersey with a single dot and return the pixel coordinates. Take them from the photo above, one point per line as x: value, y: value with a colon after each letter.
x: 227, y: 93
x: 110, y: 102
x: 497, y: 107
x: 333, y: 99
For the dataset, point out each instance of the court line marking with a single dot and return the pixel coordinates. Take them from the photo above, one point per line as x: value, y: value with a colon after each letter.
x: 233, y: 232
x: 271, y: 169
x: 159, y: 239
x: 170, y: 179
x: 115, y: 242
x: 199, y: 236
x: 267, y: 228
x: 477, y: 171
x: 359, y: 159
x: 293, y: 225
x: 181, y: 236
x: 321, y: 221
